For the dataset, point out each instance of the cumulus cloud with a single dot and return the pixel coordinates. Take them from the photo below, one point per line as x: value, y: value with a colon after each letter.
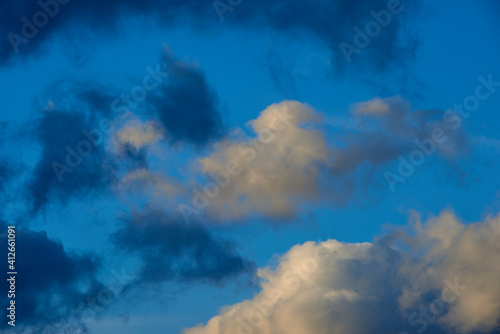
x: 289, y: 161
x: 441, y: 276
x: 281, y: 163
x: 468, y: 252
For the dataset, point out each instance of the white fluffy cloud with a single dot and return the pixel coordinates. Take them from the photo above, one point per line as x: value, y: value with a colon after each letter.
x: 443, y: 279
x: 273, y: 169
x: 288, y: 162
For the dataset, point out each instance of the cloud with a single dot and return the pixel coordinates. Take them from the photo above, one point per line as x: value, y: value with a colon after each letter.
x: 282, y: 163
x: 469, y: 252
x: 388, y: 130
x: 71, y: 163
x: 139, y: 134
x: 334, y: 23
x: 131, y: 144
x: 51, y: 284
x: 170, y: 250
x: 375, y: 106
x: 330, y: 22
x: 186, y: 104
x: 443, y: 279
x: 157, y: 187
x: 289, y: 161
x: 175, y: 98
x: 74, y: 131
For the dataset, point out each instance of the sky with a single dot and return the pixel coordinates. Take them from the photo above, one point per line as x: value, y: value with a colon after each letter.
x: 251, y: 167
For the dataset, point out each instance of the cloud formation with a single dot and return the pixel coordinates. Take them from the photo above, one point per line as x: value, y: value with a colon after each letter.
x: 170, y: 250
x: 73, y: 160
x: 386, y: 128
x: 386, y: 131
x: 443, y: 278
x: 74, y: 132
x: 330, y: 22
x: 186, y: 104
x: 289, y: 161
x: 52, y: 283
x: 281, y: 163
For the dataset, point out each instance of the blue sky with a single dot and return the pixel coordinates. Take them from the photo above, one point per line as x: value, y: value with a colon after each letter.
x: 222, y: 84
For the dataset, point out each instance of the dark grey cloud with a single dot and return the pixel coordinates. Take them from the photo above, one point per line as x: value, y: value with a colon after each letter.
x: 331, y: 22
x: 52, y: 283
x: 9, y: 167
x: 68, y: 16
x: 186, y: 104
x: 170, y: 249
x: 71, y: 164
